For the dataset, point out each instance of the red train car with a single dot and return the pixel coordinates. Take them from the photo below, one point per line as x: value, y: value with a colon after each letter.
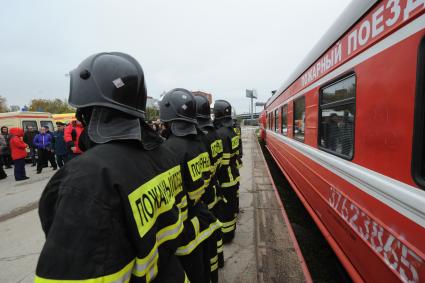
x: 348, y: 131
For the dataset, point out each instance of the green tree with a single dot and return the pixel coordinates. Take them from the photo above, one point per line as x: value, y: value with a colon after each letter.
x: 54, y: 106
x: 3, y: 104
x: 152, y: 113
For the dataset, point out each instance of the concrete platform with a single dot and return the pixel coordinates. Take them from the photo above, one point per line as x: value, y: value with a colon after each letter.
x: 19, y: 197
x: 263, y: 249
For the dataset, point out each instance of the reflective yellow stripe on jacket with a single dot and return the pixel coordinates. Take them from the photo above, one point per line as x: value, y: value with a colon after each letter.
x: 118, y: 277
x: 148, y: 266
x: 199, y: 238
x: 226, y: 159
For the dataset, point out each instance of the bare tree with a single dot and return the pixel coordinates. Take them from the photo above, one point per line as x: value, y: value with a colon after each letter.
x: 3, y: 104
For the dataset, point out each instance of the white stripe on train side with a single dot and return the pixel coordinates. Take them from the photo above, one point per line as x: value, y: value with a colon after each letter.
x: 407, y: 200
x: 408, y: 30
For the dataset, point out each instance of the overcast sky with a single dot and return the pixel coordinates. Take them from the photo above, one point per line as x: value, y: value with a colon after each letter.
x: 221, y: 46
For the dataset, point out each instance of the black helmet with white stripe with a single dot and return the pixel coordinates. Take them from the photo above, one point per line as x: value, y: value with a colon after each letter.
x: 178, y: 104
x: 222, y: 109
x: 114, y: 80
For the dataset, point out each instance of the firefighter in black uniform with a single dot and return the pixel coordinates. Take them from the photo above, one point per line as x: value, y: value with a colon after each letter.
x: 228, y: 175
x: 178, y: 112
x: 239, y: 153
x: 109, y: 215
x: 212, y: 197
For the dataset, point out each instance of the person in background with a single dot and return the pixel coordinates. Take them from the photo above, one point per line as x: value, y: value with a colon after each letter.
x: 228, y: 175
x: 48, y: 131
x: 332, y: 132
x: 3, y: 174
x: 72, y: 134
x: 7, y: 160
x: 164, y: 131
x: 153, y: 126
x: 29, y: 136
x: 43, y: 142
x: 52, y: 147
x: 60, y: 145
x: 19, y: 152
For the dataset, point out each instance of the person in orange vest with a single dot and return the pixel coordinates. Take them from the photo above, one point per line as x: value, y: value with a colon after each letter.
x: 72, y: 136
x: 18, y: 151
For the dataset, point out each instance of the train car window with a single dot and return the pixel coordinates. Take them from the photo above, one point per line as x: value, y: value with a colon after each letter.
x: 270, y: 121
x: 267, y: 121
x: 336, y: 116
x: 284, y: 115
x: 418, y: 150
x: 276, y: 115
x: 271, y: 125
x: 26, y: 124
x: 299, y: 118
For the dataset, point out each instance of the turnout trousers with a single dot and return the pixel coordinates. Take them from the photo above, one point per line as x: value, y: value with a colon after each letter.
x: 228, y: 212
x: 197, y: 251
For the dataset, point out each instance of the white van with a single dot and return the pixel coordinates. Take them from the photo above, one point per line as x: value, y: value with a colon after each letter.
x: 23, y: 119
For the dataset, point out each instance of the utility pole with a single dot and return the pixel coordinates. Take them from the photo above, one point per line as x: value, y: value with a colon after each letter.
x: 252, y: 108
x: 251, y: 93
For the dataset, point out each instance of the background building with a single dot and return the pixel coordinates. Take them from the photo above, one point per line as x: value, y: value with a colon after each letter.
x: 204, y: 94
x: 152, y: 102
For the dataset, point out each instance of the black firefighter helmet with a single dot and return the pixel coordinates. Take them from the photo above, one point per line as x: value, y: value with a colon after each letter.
x: 222, y: 109
x: 109, y: 92
x: 203, y: 111
x: 114, y: 80
x: 178, y: 108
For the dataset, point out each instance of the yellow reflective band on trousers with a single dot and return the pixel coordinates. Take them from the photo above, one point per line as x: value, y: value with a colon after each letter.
x: 220, y: 246
x: 214, y: 263
x: 154, y: 198
x: 122, y: 276
x: 235, y: 142
x: 199, y: 165
x: 148, y: 266
x: 231, y: 184
x: 216, y: 147
x: 228, y: 226
x: 238, y: 164
x: 200, y: 237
